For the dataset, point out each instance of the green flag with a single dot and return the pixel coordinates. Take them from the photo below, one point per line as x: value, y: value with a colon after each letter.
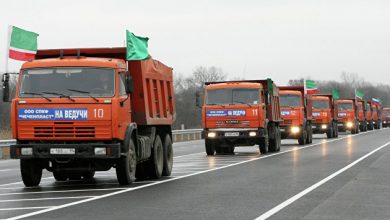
x: 137, y: 47
x: 335, y: 94
x: 23, y: 44
x: 311, y: 87
x: 359, y: 94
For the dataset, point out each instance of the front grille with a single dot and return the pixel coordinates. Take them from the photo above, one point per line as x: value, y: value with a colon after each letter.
x: 64, y: 131
x: 287, y: 122
x: 232, y: 123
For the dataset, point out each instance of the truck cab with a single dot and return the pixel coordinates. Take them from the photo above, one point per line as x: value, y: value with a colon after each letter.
x: 241, y: 113
x: 362, y: 115
x: 296, y: 113
x: 74, y: 113
x: 386, y: 117
x: 324, y: 115
x: 376, y: 115
x: 348, y: 115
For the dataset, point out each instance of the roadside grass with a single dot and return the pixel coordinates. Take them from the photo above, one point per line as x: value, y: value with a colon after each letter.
x: 4, y: 135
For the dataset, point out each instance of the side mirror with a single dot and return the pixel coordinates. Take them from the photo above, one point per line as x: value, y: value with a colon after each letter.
x: 198, y: 99
x: 5, y: 80
x: 129, y: 84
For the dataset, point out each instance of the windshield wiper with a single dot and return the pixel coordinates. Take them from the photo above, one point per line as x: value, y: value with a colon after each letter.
x: 60, y: 95
x: 34, y: 93
x: 84, y: 92
x: 242, y: 103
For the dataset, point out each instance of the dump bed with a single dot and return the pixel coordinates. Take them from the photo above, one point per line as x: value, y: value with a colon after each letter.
x: 307, y: 99
x: 333, y: 103
x: 153, y: 97
x: 271, y: 91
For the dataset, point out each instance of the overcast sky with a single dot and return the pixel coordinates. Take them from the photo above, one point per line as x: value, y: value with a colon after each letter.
x: 252, y: 39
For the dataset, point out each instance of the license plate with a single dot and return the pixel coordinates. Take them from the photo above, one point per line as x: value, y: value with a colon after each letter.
x: 232, y: 134
x: 66, y: 151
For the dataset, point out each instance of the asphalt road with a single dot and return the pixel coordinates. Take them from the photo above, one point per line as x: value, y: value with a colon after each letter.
x: 344, y: 178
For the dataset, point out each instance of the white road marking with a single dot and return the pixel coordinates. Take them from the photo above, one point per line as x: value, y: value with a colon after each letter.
x: 39, y: 199
x: 23, y: 208
x: 173, y: 179
x: 62, y: 191
x: 316, y: 185
x: 5, y: 170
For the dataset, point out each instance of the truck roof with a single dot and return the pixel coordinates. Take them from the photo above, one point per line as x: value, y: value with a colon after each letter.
x: 74, y: 61
x: 234, y: 85
x: 320, y: 97
x: 291, y: 92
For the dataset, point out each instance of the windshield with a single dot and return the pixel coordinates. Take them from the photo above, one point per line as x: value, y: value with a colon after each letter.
x: 320, y: 104
x: 344, y: 106
x: 232, y: 96
x: 75, y: 82
x: 290, y: 101
x: 386, y: 112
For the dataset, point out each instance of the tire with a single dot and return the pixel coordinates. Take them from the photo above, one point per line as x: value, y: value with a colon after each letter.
x: 330, y: 132
x: 60, y: 176
x: 168, y: 156
x: 31, y: 171
x: 88, y: 175
x: 336, y: 130
x: 264, y: 144
x: 210, y: 147
x: 219, y: 150
x: 302, y: 139
x: 370, y: 126
x: 157, y: 159
x: 274, y: 143
x: 309, y: 139
x: 75, y: 176
x: 126, y: 166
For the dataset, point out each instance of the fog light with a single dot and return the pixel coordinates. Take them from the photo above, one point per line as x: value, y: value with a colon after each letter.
x: 252, y: 133
x: 295, y: 129
x: 384, y: 122
x: 100, y: 151
x: 349, y: 124
x: 324, y: 126
x: 373, y: 122
x: 27, y: 151
x: 211, y: 134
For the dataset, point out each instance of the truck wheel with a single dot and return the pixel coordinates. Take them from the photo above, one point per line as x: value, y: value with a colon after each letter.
x: 330, y: 132
x: 335, y: 130
x: 157, y: 159
x: 210, y: 147
x: 75, y: 176
x: 88, y: 175
x: 302, y: 139
x: 229, y: 150
x: 126, y: 166
x: 60, y: 176
x: 168, y: 156
x: 31, y: 171
x: 275, y: 142
x: 264, y: 144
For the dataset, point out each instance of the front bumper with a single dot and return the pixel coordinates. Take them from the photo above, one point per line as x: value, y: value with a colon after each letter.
x: 237, y: 137
x: 343, y: 126
x: 288, y: 131
x: 86, y: 151
x: 320, y: 128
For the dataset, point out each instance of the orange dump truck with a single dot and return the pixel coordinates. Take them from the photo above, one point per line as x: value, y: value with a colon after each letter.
x: 296, y: 112
x: 362, y: 115
x: 241, y: 113
x: 376, y: 114
x: 370, y: 122
x: 325, y: 115
x: 386, y: 117
x: 78, y: 111
x: 348, y: 115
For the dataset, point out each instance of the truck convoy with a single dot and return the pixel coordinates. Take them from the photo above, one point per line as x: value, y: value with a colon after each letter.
x: 296, y: 113
x: 348, y: 115
x: 76, y: 111
x: 386, y: 117
x: 241, y: 113
x: 325, y: 115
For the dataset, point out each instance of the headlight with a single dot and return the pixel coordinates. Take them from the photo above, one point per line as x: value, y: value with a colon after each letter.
x: 295, y: 129
x: 384, y: 122
x: 324, y: 126
x: 211, y: 134
x: 252, y: 133
x: 349, y: 124
x: 100, y: 151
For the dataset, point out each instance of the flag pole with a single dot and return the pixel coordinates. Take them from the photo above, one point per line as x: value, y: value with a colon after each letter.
x: 7, y: 47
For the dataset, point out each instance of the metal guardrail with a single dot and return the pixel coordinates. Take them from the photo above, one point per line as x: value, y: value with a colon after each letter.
x: 177, y: 135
